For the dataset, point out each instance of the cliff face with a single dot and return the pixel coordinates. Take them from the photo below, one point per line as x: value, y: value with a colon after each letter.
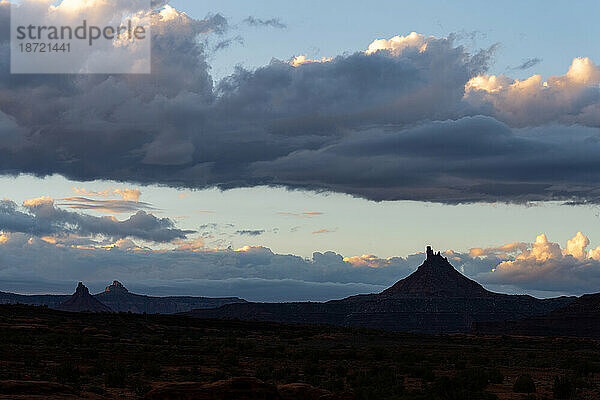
x: 81, y: 301
x: 434, y: 299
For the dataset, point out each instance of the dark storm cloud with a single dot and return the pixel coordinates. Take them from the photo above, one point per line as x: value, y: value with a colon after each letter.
x: 472, y: 159
x: 362, y: 124
x: 273, y: 22
x: 4, y: 22
x: 40, y: 217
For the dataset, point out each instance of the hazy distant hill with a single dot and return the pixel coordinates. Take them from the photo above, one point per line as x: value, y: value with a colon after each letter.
x: 49, y: 300
x: 434, y: 299
x: 119, y: 299
x: 581, y: 318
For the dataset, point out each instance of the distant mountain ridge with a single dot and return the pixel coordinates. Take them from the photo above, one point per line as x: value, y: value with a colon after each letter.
x: 50, y: 300
x: 119, y: 299
x: 434, y: 299
x: 580, y: 318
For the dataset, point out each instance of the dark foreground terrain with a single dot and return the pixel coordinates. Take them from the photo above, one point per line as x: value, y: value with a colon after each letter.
x: 48, y: 354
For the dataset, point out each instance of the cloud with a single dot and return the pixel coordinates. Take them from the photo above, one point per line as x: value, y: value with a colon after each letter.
x: 107, y: 206
x: 399, y: 43
x: 130, y: 201
x: 468, y: 160
x: 528, y: 63
x: 301, y: 60
x: 321, y: 231
x: 569, y: 98
x: 133, y: 128
x: 272, y: 23
x: 544, y: 266
x: 129, y: 194
x: 223, y: 44
x: 40, y: 217
x: 372, y: 261
x: 4, y: 21
x: 306, y: 214
x: 576, y: 247
x: 500, y: 251
x: 413, y: 117
x: 255, y: 273
x: 541, y: 268
x: 190, y: 245
x: 256, y: 232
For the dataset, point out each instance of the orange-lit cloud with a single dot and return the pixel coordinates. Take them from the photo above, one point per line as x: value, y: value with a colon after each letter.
x: 321, y: 231
x: 125, y: 193
x: 371, y: 261
x: 306, y: 214
x: 395, y: 45
x: 39, y: 201
x: 301, y: 60
x: 501, y: 251
x: 128, y: 194
x: 516, y: 100
x: 576, y: 247
x: 399, y: 43
x: 190, y: 245
x: 545, y: 260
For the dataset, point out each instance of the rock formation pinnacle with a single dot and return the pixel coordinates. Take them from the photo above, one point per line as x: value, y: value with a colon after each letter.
x: 436, y: 277
x: 116, y: 287
x: 82, y: 290
x: 82, y: 300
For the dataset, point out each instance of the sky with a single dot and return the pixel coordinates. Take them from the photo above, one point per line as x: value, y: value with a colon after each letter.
x: 307, y: 151
x: 524, y: 30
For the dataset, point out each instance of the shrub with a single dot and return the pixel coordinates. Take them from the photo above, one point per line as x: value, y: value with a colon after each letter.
x: 495, y: 376
x: 472, y: 380
x: 376, y: 383
x: 96, y: 390
x: 152, y: 370
x: 467, y: 386
x: 563, y: 388
x: 423, y: 373
x: 530, y: 397
x: 585, y: 368
x: 524, y: 384
x: 67, y: 373
x: 139, y: 387
x: 115, y: 377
